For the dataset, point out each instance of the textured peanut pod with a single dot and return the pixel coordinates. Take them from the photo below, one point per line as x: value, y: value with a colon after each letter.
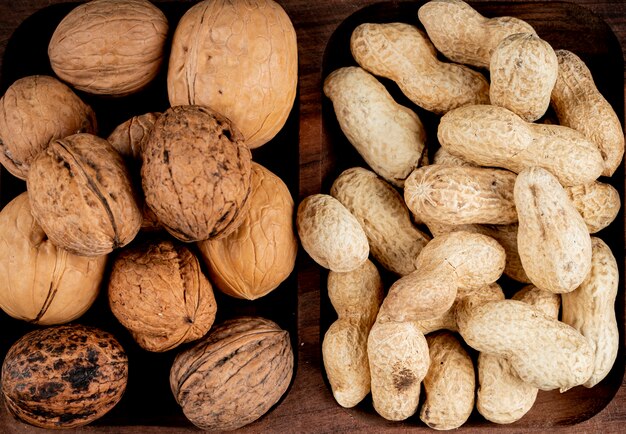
x: 552, y: 239
x: 129, y: 137
x: 444, y: 157
x: 196, y: 173
x: 39, y: 282
x: 590, y: 309
x: 494, y: 136
x: 159, y: 293
x: 598, y: 204
x: 502, y: 396
x: 260, y: 254
x: 82, y: 196
x: 234, y: 375
x: 449, y: 384
x: 458, y: 261
x: 110, y: 47
x: 64, y: 377
x: 393, y: 142
x: 461, y: 195
x: 394, y: 241
x: 356, y: 296
x: 462, y: 34
x: 447, y: 321
x: 523, y: 71
x: 399, y: 360
x: 34, y: 111
x: 241, y: 59
x: 579, y: 105
x: 544, y: 352
x: 330, y: 234
x: 403, y: 53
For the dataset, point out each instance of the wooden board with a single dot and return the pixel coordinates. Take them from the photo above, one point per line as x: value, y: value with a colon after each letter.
x: 309, y: 405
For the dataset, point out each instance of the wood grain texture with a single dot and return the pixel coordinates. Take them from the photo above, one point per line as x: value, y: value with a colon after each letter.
x: 309, y: 406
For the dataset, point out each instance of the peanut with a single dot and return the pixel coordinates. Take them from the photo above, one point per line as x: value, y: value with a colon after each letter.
x: 330, y: 234
x: 356, y: 296
x: 553, y: 241
x: 598, y: 204
x: 590, y: 309
x: 404, y: 54
x: 494, y: 136
x: 523, y: 71
x: 579, y: 105
x: 462, y: 34
x: 394, y: 241
x: 444, y: 157
x: 389, y: 136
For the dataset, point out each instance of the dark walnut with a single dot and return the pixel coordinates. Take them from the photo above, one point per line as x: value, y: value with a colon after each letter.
x: 109, y: 47
x: 82, y: 196
x: 39, y: 282
x: 159, y: 293
x: 64, y: 376
x: 196, y: 173
x: 33, y: 111
x: 129, y: 137
x: 234, y: 375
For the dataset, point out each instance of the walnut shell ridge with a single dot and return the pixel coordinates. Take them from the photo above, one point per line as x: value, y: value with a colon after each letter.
x: 34, y: 111
x: 233, y: 376
x: 64, y: 376
x: 39, y: 282
x: 82, y: 196
x: 159, y: 293
x: 196, y: 173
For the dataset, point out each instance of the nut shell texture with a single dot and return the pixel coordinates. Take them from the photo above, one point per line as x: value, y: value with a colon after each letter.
x: 110, y: 47
x: 234, y: 375
x: 39, y: 282
x: 196, y: 173
x: 82, y: 196
x: 129, y: 137
x: 159, y: 293
x: 261, y: 252
x: 241, y: 59
x: 64, y: 376
x: 34, y: 111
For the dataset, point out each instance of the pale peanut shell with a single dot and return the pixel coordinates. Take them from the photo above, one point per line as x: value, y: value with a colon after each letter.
x: 598, y: 204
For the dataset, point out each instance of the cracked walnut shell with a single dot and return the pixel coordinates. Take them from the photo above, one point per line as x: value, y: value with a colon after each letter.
x: 159, y: 293
x: 196, y: 173
x: 82, y: 196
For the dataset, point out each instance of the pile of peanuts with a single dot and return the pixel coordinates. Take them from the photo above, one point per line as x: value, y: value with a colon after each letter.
x: 505, y: 194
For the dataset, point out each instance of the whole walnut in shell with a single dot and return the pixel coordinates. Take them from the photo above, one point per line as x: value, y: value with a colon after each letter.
x: 239, y: 58
x: 33, y: 111
x: 39, y: 282
x: 129, y: 137
x: 109, y: 47
x: 196, y: 173
x: 159, y: 293
x: 261, y: 253
x: 234, y: 375
x: 82, y: 196
x: 64, y: 376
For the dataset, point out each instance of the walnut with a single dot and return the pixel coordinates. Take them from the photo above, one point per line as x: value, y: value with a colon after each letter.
x: 234, y: 375
x: 129, y: 137
x: 81, y: 195
x: 64, y: 376
x: 196, y: 173
x: 159, y: 293
x: 33, y: 111
x: 39, y: 282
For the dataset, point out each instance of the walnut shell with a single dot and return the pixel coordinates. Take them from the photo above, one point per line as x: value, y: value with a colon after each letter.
x: 34, y: 111
x: 81, y: 195
x: 261, y: 253
x: 159, y: 293
x: 235, y: 375
x: 39, y: 282
x: 129, y: 137
x: 241, y: 59
x: 109, y: 47
x: 64, y: 376
x: 196, y: 173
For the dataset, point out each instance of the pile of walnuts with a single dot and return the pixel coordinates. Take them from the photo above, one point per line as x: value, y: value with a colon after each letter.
x: 183, y: 176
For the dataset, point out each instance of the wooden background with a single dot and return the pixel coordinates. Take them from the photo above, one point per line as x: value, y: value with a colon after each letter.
x: 309, y: 406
